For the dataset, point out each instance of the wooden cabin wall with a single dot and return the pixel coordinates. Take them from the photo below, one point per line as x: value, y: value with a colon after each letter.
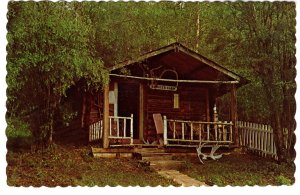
x: 96, y: 107
x: 193, y: 105
x: 95, y: 113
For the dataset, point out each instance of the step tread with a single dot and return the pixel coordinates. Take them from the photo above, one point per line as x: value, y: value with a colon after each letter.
x: 151, y: 158
x: 166, y: 162
x: 155, y: 154
x: 157, y: 150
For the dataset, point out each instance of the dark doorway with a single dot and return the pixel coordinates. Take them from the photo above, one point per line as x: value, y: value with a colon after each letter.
x: 128, y: 103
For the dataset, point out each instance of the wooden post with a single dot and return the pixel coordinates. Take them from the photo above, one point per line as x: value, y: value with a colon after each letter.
x: 116, y: 98
x: 165, y: 131
x: 110, y: 126
x: 215, y: 119
x: 83, y: 110
x: 124, y: 127
x: 233, y: 112
x: 131, y: 129
x: 182, y: 130
x: 192, y: 132
x: 207, y: 106
x: 106, y: 117
x: 174, y: 130
x: 141, y: 113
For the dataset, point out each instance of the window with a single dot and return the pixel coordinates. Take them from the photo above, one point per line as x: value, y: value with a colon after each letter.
x: 176, y: 100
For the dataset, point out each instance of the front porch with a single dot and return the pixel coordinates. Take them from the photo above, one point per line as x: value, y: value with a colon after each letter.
x: 179, y: 133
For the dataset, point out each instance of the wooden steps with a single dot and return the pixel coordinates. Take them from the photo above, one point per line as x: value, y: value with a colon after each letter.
x: 112, y: 152
x: 113, y: 155
x: 166, y: 164
x: 154, y: 157
x: 149, y: 154
x: 149, y: 150
x: 158, y: 159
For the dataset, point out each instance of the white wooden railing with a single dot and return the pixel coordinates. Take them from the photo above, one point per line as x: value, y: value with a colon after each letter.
x: 95, y: 131
x: 191, y: 133
x: 259, y: 138
x: 119, y: 128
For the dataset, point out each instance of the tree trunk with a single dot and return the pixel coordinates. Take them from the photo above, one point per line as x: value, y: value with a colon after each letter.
x: 276, y: 115
x: 278, y: 134
x: 83, y: 110
x: 198, y: 28
x: 53, y: 107
x: 289, y: 107
x: 52, y: 102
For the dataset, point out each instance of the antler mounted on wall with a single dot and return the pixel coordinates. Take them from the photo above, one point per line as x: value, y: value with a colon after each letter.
x: 160, y: 85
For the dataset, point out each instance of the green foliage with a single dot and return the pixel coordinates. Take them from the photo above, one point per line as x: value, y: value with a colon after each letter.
x: 52, y: 46
x: 17, y: 128
x: 19, y: 135
x: 49, y: 50
x: 282, y: 180
x: 67, y: 113
x: 218, y: 180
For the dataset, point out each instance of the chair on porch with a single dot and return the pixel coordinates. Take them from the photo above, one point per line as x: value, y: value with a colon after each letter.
x: 159, y: 126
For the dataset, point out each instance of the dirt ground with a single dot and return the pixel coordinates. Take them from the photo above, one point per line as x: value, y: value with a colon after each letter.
x: 73, y: 166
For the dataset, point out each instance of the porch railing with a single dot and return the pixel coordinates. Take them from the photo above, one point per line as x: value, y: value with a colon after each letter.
x: 183, y: 132
x: 95, y: 131
x: 119, y: 128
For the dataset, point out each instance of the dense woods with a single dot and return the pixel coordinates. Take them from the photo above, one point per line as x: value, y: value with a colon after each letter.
x: 53, y: 46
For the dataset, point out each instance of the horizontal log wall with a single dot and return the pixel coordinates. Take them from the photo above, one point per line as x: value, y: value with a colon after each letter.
x: 192, y: 106
x: 96, y: 109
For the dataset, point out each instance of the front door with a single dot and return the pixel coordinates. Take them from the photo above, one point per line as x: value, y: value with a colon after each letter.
x: 128, y: 103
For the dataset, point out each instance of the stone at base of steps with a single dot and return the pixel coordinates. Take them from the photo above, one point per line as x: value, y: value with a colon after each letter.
x: 166, y: 164
x: 158, y: 159
x: 180, y: 178
x: 156, y: 156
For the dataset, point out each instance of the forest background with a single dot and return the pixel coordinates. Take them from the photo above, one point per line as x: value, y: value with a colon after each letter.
x: 53, y: 46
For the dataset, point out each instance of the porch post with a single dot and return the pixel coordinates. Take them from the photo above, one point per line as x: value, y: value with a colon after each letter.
x: 106, y: 116
x: 165, y: 130
x: 233, y: 111
x: 141, y: 113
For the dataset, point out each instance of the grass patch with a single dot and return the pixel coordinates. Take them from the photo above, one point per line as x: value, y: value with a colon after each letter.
x: 70, y: 166
x: 282, y: 180
x: 240, y: 170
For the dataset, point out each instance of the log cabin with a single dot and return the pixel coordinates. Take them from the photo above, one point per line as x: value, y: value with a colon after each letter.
x: 164, y: 97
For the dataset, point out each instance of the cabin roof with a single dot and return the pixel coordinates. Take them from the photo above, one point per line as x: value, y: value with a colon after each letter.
x: 189, y: 63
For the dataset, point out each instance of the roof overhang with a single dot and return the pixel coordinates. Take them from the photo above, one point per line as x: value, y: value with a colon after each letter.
x: 191, y: 65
